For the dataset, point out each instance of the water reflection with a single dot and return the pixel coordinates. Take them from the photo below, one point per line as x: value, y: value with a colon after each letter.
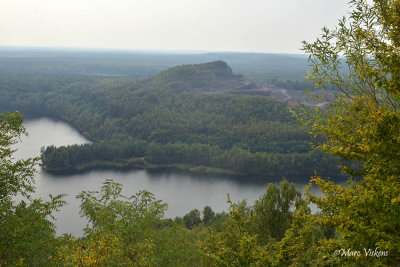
x: 182, y: 191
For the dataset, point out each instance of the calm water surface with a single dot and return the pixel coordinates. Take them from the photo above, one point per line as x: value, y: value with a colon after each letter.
x: 182, y: 191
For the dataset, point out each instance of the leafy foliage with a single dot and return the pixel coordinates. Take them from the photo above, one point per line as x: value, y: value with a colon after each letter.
x: 126, y: 231
x: 360, y: 57
x: 362, y: 126
x: 273, y: 212
x: 27, y: 232
x: 249, y: 235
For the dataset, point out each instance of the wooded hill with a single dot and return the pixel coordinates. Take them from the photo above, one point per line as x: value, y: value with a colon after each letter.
x: 177, y: 116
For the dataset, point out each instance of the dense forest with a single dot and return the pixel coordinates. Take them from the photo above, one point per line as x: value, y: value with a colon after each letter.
x: 258, y: 67
x: 178, y: 116
x: 357, y: 223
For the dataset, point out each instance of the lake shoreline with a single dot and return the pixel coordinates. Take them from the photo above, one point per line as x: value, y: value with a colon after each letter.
x: 126, y: 165
x: 174, y: 167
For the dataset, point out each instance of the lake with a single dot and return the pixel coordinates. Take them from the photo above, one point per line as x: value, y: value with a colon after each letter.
x: 182, y: 191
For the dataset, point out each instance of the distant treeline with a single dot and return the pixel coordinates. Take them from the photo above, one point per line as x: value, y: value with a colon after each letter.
x: 127, y: 119
x: 258, y: 67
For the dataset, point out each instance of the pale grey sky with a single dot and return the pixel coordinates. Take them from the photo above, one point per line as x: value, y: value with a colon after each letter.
x: 276, y: 26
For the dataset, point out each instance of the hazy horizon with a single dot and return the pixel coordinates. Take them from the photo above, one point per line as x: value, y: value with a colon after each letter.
x: 255, y: 26
x: 138, y: 50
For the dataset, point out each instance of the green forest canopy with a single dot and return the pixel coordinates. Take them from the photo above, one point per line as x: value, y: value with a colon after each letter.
x: 177, y: 116
x: 358, y: 223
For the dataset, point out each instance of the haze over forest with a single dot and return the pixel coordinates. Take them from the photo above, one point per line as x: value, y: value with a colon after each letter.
x: 216, y: 91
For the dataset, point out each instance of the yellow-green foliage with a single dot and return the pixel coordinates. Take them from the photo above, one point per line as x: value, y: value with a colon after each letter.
x: 234, y: 246
x: 362, y: 126
x: 27, y: 235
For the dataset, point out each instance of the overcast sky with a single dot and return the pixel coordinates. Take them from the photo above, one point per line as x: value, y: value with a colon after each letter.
x: 276, y: 26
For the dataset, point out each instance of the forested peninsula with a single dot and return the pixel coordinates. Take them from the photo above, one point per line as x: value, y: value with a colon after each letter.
x: 186, y: 116
x: 206, y: 115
